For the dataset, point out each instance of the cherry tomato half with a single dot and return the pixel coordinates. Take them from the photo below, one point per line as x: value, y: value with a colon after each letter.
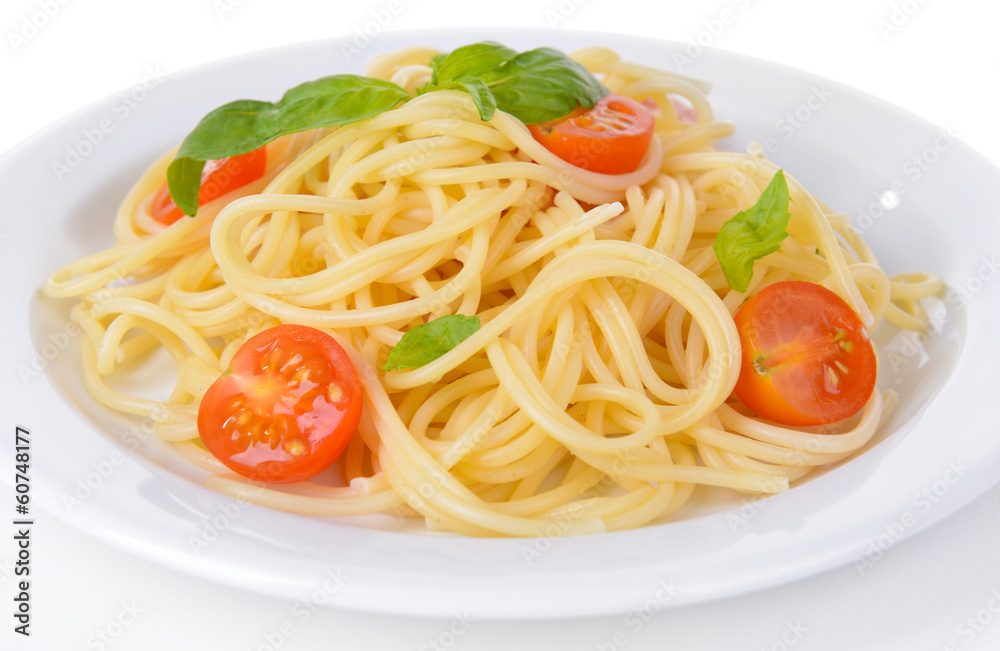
x: 610, y: 138
x: 219, y: 177
x: 285, y: 409
x: 807, y: 357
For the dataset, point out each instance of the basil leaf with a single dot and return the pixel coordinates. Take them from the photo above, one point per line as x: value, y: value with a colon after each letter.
x: 482, y: 96
x: 753, y: 233
x: 542, y: 85
x: 244, y: 125
x: 425, y: 343
x: 471, y: 60
x: 534, y: 86
x: 184, y: 182
x: 434, y: 63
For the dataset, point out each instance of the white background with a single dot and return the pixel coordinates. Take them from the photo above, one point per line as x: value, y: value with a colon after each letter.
x: 939, y: 60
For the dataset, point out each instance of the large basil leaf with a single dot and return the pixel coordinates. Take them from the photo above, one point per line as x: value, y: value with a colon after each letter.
x: 534, y: 86
x: 244, y: 125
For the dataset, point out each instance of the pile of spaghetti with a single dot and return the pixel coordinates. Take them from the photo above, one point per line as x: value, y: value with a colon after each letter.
x: 598, y: 391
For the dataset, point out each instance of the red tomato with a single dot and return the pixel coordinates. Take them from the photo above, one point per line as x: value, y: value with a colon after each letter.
x: 219, y: 177
x: 611, y: 138
x: 807, y: 357
x: 286, y: 407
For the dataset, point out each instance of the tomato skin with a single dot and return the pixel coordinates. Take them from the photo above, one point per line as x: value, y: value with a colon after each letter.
x: 219, y: 177
x: 807, y: 357
x: 610, y: 138
x: 285, y: 409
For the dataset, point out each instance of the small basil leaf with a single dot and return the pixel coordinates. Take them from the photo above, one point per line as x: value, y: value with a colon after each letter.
x: 425, y: 343
x: 434, y: 63
x: 244, y: 125
x: 753, y: 233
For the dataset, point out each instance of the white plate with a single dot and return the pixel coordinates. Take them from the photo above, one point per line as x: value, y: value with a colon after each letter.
x: 938, y: 453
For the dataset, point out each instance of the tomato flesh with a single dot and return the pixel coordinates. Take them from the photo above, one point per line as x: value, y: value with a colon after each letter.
x: 218, y: 177
x: 610, y: 138
x: 286, y: 408
x: 807, y: 357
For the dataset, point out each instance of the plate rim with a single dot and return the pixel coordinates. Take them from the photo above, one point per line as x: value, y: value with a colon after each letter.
x: 833, y: 558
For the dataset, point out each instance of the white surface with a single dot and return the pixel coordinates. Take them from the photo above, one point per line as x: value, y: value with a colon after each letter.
x: 717, y: 546
x: 916, y: 596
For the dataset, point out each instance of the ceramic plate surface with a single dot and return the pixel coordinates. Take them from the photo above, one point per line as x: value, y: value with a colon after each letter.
x: 924, y: 201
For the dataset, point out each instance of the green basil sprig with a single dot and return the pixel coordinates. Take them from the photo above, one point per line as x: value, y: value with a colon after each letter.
x: 244, y: 125
x: 426, y: 342
x: 534, y: 86
x: 753, y: 233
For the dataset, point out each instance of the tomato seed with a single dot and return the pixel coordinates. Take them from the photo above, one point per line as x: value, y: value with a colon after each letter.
x: 294, y: 448
x: 833, y: 380
x: 274, y: 359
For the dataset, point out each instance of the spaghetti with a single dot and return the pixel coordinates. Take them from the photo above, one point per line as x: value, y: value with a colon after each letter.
x: 597, y: 393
